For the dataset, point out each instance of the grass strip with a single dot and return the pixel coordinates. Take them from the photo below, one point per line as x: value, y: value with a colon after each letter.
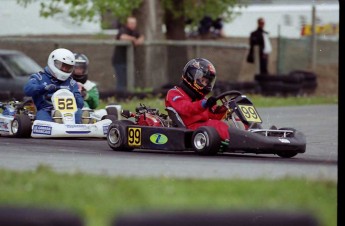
x: 258, y: 101
x: 98, y: 199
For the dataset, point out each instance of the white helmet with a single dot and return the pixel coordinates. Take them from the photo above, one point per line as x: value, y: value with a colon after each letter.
x: 61, y: 63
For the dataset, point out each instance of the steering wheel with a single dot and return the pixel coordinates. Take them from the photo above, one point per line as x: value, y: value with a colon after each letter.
x: 227, y: 97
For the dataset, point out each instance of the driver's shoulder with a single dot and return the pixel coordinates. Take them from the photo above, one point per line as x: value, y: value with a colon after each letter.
x: 71, y: 82
x: 39, y: 75
x: 175, y: 91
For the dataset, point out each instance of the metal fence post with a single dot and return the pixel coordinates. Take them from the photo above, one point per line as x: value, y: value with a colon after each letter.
x: 313, y: 39
x: 130, y: 67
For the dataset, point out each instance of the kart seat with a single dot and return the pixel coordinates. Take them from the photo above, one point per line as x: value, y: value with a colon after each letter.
x: 175, y: 118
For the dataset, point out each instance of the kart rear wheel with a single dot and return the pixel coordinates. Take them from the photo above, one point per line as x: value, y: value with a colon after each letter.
x: 287, y: 154
x: 117, y: 136
x: 21, y: 126
x: 112, y: 111
x: 113, y: 118
x: 206, y: 141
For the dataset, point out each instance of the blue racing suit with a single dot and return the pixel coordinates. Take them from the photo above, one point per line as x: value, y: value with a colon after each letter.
x: 35, y: 88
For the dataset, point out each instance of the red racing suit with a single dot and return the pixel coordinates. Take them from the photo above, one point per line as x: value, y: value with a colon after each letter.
x: 194, y: 115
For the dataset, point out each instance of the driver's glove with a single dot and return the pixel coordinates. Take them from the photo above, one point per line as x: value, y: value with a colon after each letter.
x: 210, y: 102
x: 51, y: 88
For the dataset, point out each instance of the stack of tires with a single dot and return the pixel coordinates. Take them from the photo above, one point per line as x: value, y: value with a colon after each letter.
x: 244, y: 87
x: 308, y: 79
x: 295, y: 83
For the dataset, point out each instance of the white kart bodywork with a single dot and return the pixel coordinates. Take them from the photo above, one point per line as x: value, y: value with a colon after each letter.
x: 64, y: 102
x: 98, y: 114
x: 44, y: 129
x: 6, y: 125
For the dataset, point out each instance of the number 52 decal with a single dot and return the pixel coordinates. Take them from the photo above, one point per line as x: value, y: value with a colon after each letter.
x: 65, y: 104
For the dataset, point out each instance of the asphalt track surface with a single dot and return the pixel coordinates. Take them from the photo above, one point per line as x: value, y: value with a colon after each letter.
x: 320, y: 161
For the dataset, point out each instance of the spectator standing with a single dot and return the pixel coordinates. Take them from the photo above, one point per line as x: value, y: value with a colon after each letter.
x: 260, y: 38
x: 119, y: 60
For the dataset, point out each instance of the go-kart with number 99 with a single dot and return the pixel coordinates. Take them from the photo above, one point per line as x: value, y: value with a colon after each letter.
x: 149, y: 129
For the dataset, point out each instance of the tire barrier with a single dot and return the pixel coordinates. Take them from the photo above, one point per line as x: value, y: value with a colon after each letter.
x: 243, y: 87
x: 206, y: 218
x: 295, y: 83
x: 29, y: 216
x: 33, y: 216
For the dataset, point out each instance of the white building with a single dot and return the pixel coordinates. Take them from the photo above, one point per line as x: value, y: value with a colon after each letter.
x: 288, y: 18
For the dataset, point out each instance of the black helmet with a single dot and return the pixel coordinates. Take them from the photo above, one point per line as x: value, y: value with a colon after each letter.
x: 198, y: 78
x: 81, y: 66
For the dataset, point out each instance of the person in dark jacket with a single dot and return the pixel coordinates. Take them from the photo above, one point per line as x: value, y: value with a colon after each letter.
x: 56, y: 75
x: 119, y: 60
x: 189, y: 101
x: 260, y: 38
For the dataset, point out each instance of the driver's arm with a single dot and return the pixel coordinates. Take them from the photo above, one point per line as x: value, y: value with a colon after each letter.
x: 78, y: 98
x: 33, y: 87
x: 183, y: 105
x: 92, y: 98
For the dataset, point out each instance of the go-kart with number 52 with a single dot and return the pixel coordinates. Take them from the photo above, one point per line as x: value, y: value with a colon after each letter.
x: 64, y: 125
x: 148, y: 129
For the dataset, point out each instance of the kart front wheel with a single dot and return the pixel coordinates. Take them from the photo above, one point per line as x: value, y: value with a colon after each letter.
x: 21, y: 126
x: 206, y: 141
x: 117, y: 135
x: 288, y: 154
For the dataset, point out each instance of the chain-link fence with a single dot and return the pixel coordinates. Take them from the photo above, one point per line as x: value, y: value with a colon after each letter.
x: 296, y: 54
x: 149, y: 66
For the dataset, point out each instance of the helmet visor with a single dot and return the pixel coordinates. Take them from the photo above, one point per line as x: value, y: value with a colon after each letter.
x: 67, y: 68
x: 204, y: 80
x: 80, y: 69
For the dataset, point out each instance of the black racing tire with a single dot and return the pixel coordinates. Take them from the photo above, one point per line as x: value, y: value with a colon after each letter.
x: 117, y: 135
x: 21, y: 126
x: 206, y: 141
x: 31, y: 216
x: 113, y: 118
x: 287, y: 154
x: 279, y: 88
x: 112, y: 111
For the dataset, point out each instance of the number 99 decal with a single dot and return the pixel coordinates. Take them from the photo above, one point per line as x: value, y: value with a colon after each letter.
x: 134, y: 136
x: 249, y: 112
